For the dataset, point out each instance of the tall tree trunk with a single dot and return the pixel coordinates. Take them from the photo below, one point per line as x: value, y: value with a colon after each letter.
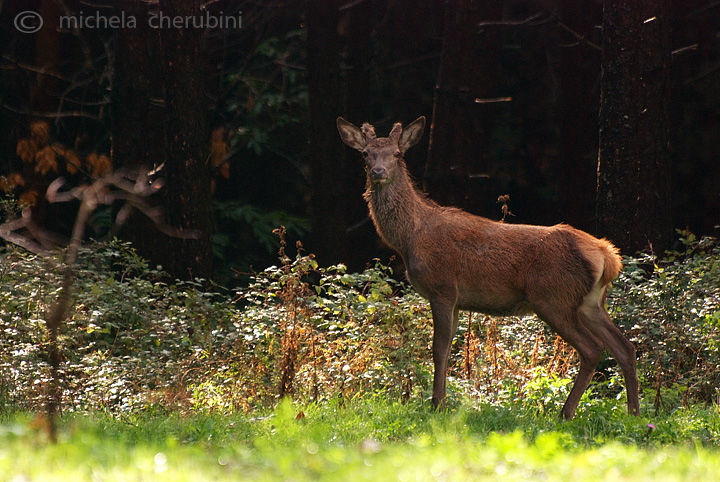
x: 358, y: 50
x: 138, y: 134
x: 457, y: 152
x: 45, y: 95
x: 137, y: 119
x: 187, y: 194
x: 633, y: 202
x: 578, y: 69
x: 329, y: 173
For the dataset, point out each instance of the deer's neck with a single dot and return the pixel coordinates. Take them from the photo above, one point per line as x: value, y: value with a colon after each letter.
x: 397, y: 209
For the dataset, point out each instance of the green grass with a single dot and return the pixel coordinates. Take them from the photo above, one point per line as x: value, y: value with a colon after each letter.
x: 157, y: 380
x: 367, y: 439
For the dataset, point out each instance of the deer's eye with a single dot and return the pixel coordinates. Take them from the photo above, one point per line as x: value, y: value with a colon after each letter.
x: 365, y: 154
x: 398, y: 153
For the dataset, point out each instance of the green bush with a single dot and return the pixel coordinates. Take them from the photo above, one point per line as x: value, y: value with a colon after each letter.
x: 134, y: 341
x: 671, y: 310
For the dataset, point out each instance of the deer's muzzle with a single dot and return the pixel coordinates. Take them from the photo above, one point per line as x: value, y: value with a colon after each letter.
x: 378, y: 174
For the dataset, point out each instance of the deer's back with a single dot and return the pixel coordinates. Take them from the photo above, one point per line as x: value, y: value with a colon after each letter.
x: 497, y: 268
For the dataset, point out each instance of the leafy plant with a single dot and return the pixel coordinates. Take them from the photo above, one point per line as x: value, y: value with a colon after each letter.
x: 133, y: 341
x: 270, y: 89
x: 671, y: 308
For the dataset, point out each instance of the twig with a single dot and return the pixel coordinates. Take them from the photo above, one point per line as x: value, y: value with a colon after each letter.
x: 350, y: 5
x: 37, y: 70
x: 51, y: 115
x: 57, y: 314
x: 684, y: 49
x: 511, y: 23
x: 493, y: 100
x: 581, y: 38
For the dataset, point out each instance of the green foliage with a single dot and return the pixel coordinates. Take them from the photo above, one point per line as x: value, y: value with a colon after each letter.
x: 263, y: 223
x: 370, y: 438
x: 271, y: 91
x: 9, y: 207
x: 178, y: 366
x: 132, y: 340
x: 349, y: 334
x: 317, y: 334
x: 128, y: 336
x: 250, y: 226
x: 671, y: 309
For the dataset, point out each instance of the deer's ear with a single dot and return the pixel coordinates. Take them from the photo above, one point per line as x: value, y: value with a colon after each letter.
x: 412, y: 134
x: 351, y: 134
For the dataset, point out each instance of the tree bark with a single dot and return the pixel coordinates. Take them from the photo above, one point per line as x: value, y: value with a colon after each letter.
x: 578, y: 71
x: 329, y: 172
x: 138, y: 134
x: 358, y: 56
x: 187, y: 194
x: 137, y: 119
x: 633, y: 201
x: 457, y: 155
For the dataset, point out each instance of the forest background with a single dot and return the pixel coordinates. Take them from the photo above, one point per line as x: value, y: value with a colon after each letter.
x: 196, y: 143
x: 238, y: 122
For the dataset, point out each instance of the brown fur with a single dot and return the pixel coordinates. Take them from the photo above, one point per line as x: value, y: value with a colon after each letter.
x: 461, y: 261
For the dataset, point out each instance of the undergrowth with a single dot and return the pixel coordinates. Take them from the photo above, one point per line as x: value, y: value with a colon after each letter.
x: 369, y: 438
x: 311, y: 334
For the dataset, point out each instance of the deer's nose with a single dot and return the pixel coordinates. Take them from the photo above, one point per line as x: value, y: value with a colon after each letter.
x: 378, y: 173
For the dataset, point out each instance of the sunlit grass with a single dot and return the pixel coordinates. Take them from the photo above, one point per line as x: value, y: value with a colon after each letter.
x: 367, y: 439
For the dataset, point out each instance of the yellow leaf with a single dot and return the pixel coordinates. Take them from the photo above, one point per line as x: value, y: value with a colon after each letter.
x: 45, y: 160
x: 28, y: 198
x: 26, y: 150
x: 98, y: 165
x: 40, y: 131
x: 72, y: 161
x: 17, y: 179
x: 11, y: 181
x: 218, y: 151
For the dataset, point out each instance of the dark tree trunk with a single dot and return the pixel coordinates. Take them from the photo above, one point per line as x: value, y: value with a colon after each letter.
x: 137, y: 117
x: 358, y: 50
x: 457, y: 155
x: 578, y: 71
x: 45, y: 96
x: 138, y: 135
x: 633, y: 203
x: 329, y: 172
x: 187, y: 194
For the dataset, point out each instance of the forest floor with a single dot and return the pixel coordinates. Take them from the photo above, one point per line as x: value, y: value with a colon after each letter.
x: 367, y: 439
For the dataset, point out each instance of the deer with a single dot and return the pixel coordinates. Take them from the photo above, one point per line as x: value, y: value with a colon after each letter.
x: 460, y: 261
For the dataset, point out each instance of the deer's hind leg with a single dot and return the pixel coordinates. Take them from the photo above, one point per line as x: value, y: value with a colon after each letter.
x: 565, y: 322
x: 596, y: 319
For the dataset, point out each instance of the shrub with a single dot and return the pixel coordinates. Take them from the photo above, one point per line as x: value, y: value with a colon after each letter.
x: 134, y: 341
x: 671, y: 310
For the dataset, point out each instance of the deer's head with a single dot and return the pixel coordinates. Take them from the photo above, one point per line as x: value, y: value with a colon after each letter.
x: 384, y: 155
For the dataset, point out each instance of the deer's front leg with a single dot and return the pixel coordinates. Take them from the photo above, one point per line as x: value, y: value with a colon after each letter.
x: 445, y: 322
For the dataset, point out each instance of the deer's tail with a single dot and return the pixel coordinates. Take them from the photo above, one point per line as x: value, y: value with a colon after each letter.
x: 613, y: 262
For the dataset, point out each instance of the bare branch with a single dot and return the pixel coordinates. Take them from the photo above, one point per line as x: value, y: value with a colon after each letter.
x: 350, y: 5
x: 133, y: 194
x: 38, y: 70
x: 7, y: 233
x: 51, y: 115
x: 581, y: 38
x: 682, y: 50
x: 526, y: 21
x: 493, y: 100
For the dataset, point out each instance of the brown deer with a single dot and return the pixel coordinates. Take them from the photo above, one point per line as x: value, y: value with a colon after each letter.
x: 459, y: 261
